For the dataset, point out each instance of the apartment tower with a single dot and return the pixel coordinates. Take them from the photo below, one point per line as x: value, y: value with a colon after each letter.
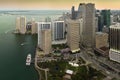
x: 46, y: 41
x: 114, y: 53
x: 42, y: 26
x: 87, y: 13
x: 73, y: 34
x: 22, y: 24
x: 58, y: 30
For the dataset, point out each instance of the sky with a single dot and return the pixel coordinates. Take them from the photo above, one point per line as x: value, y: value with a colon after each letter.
x: 56, y: 4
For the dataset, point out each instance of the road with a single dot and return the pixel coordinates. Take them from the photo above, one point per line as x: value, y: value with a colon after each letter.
x: 96, y: 63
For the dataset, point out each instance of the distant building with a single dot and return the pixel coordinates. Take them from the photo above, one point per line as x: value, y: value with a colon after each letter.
x: 112, y: 19
x: 81, y: 11
x: 101, y: 39
x: 106, y: 17
x: 18, y: 24
x: 46, y: 41
x: 114, y: 53
x: 105, y: 29
x: 42, y: 26
x: 87, y: 12
x: 73, y: 34
x: 66, y: 16
x: 73, y: 13
x: 100, y: 23
x: 22, y: 24
x: 96, y: 24
x: 34, y: 27
x: 28, y: 26
x: 47, y: 19
x: 58, y: 30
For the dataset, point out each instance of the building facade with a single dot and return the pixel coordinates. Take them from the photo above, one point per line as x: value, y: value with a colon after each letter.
x: 73, y: 13
x: 106, y: 17
x: 18, y: 24
x: 22, y: 24
x: 87, y: 12
x: 42, y: 26
x: 100, y: 23
x: 46, y: 41
x: 58, y: 30
x: 101, y: 39
x: 96, y: 24
x: 114, y: 53
x: 34, y: 27
x: 73, y: 34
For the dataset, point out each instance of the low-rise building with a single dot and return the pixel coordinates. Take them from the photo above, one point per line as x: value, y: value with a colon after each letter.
x: 101, y: 39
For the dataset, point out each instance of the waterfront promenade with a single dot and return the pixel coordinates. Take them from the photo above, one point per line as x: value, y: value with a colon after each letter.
x: 38, y: 68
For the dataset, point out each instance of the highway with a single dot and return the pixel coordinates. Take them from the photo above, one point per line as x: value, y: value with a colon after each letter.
x: 100, y: 65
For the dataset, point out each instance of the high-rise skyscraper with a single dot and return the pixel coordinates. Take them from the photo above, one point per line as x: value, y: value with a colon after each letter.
x: 100, y: 23
x: 73, y: 13
x: 96, y: 24
x: 34, y: 27
x: 114, y: 35
x: 106, y: 17
x: 42, y: 26
x: 87, y: 13
x: 81, y: 11
x: 22, y: 24
x: 73, y: 33
x: 46, y: 41
x: 17, y: 24
x: 58, y: 30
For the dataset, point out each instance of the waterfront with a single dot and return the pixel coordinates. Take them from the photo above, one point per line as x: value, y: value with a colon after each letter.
x: 12, y: 53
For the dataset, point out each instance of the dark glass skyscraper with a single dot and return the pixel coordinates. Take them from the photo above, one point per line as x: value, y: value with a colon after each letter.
x: 100, y: 23
x: 73, y: 13
x: 106, y: 17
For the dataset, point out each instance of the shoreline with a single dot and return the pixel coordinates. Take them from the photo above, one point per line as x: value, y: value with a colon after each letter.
x: 38, y: 68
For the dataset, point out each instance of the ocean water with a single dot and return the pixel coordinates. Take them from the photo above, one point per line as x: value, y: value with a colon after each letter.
x: 12, y: 53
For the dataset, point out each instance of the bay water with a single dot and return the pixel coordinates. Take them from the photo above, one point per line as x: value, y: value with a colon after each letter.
x: 12, y: 53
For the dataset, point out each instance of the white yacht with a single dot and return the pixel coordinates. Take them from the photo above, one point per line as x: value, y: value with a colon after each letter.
x: 21, y: 44
x: 28, y: 60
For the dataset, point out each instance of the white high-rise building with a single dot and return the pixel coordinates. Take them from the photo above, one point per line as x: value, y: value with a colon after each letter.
x: 58, y: 30
x: 114, y: 53
x: 18, y: 24
x: 22, y: 24
x: 46, y: 40
x: 42, y: 26
x: 74, y: 33
x: 34, y: 27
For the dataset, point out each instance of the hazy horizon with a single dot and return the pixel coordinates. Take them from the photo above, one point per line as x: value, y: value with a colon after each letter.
x: 56, y: 4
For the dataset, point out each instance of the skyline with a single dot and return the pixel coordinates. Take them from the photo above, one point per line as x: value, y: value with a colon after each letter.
x: 56, y: 4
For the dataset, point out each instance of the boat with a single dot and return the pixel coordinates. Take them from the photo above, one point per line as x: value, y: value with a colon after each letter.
x: 28, y: 60
x: 22, y: 44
